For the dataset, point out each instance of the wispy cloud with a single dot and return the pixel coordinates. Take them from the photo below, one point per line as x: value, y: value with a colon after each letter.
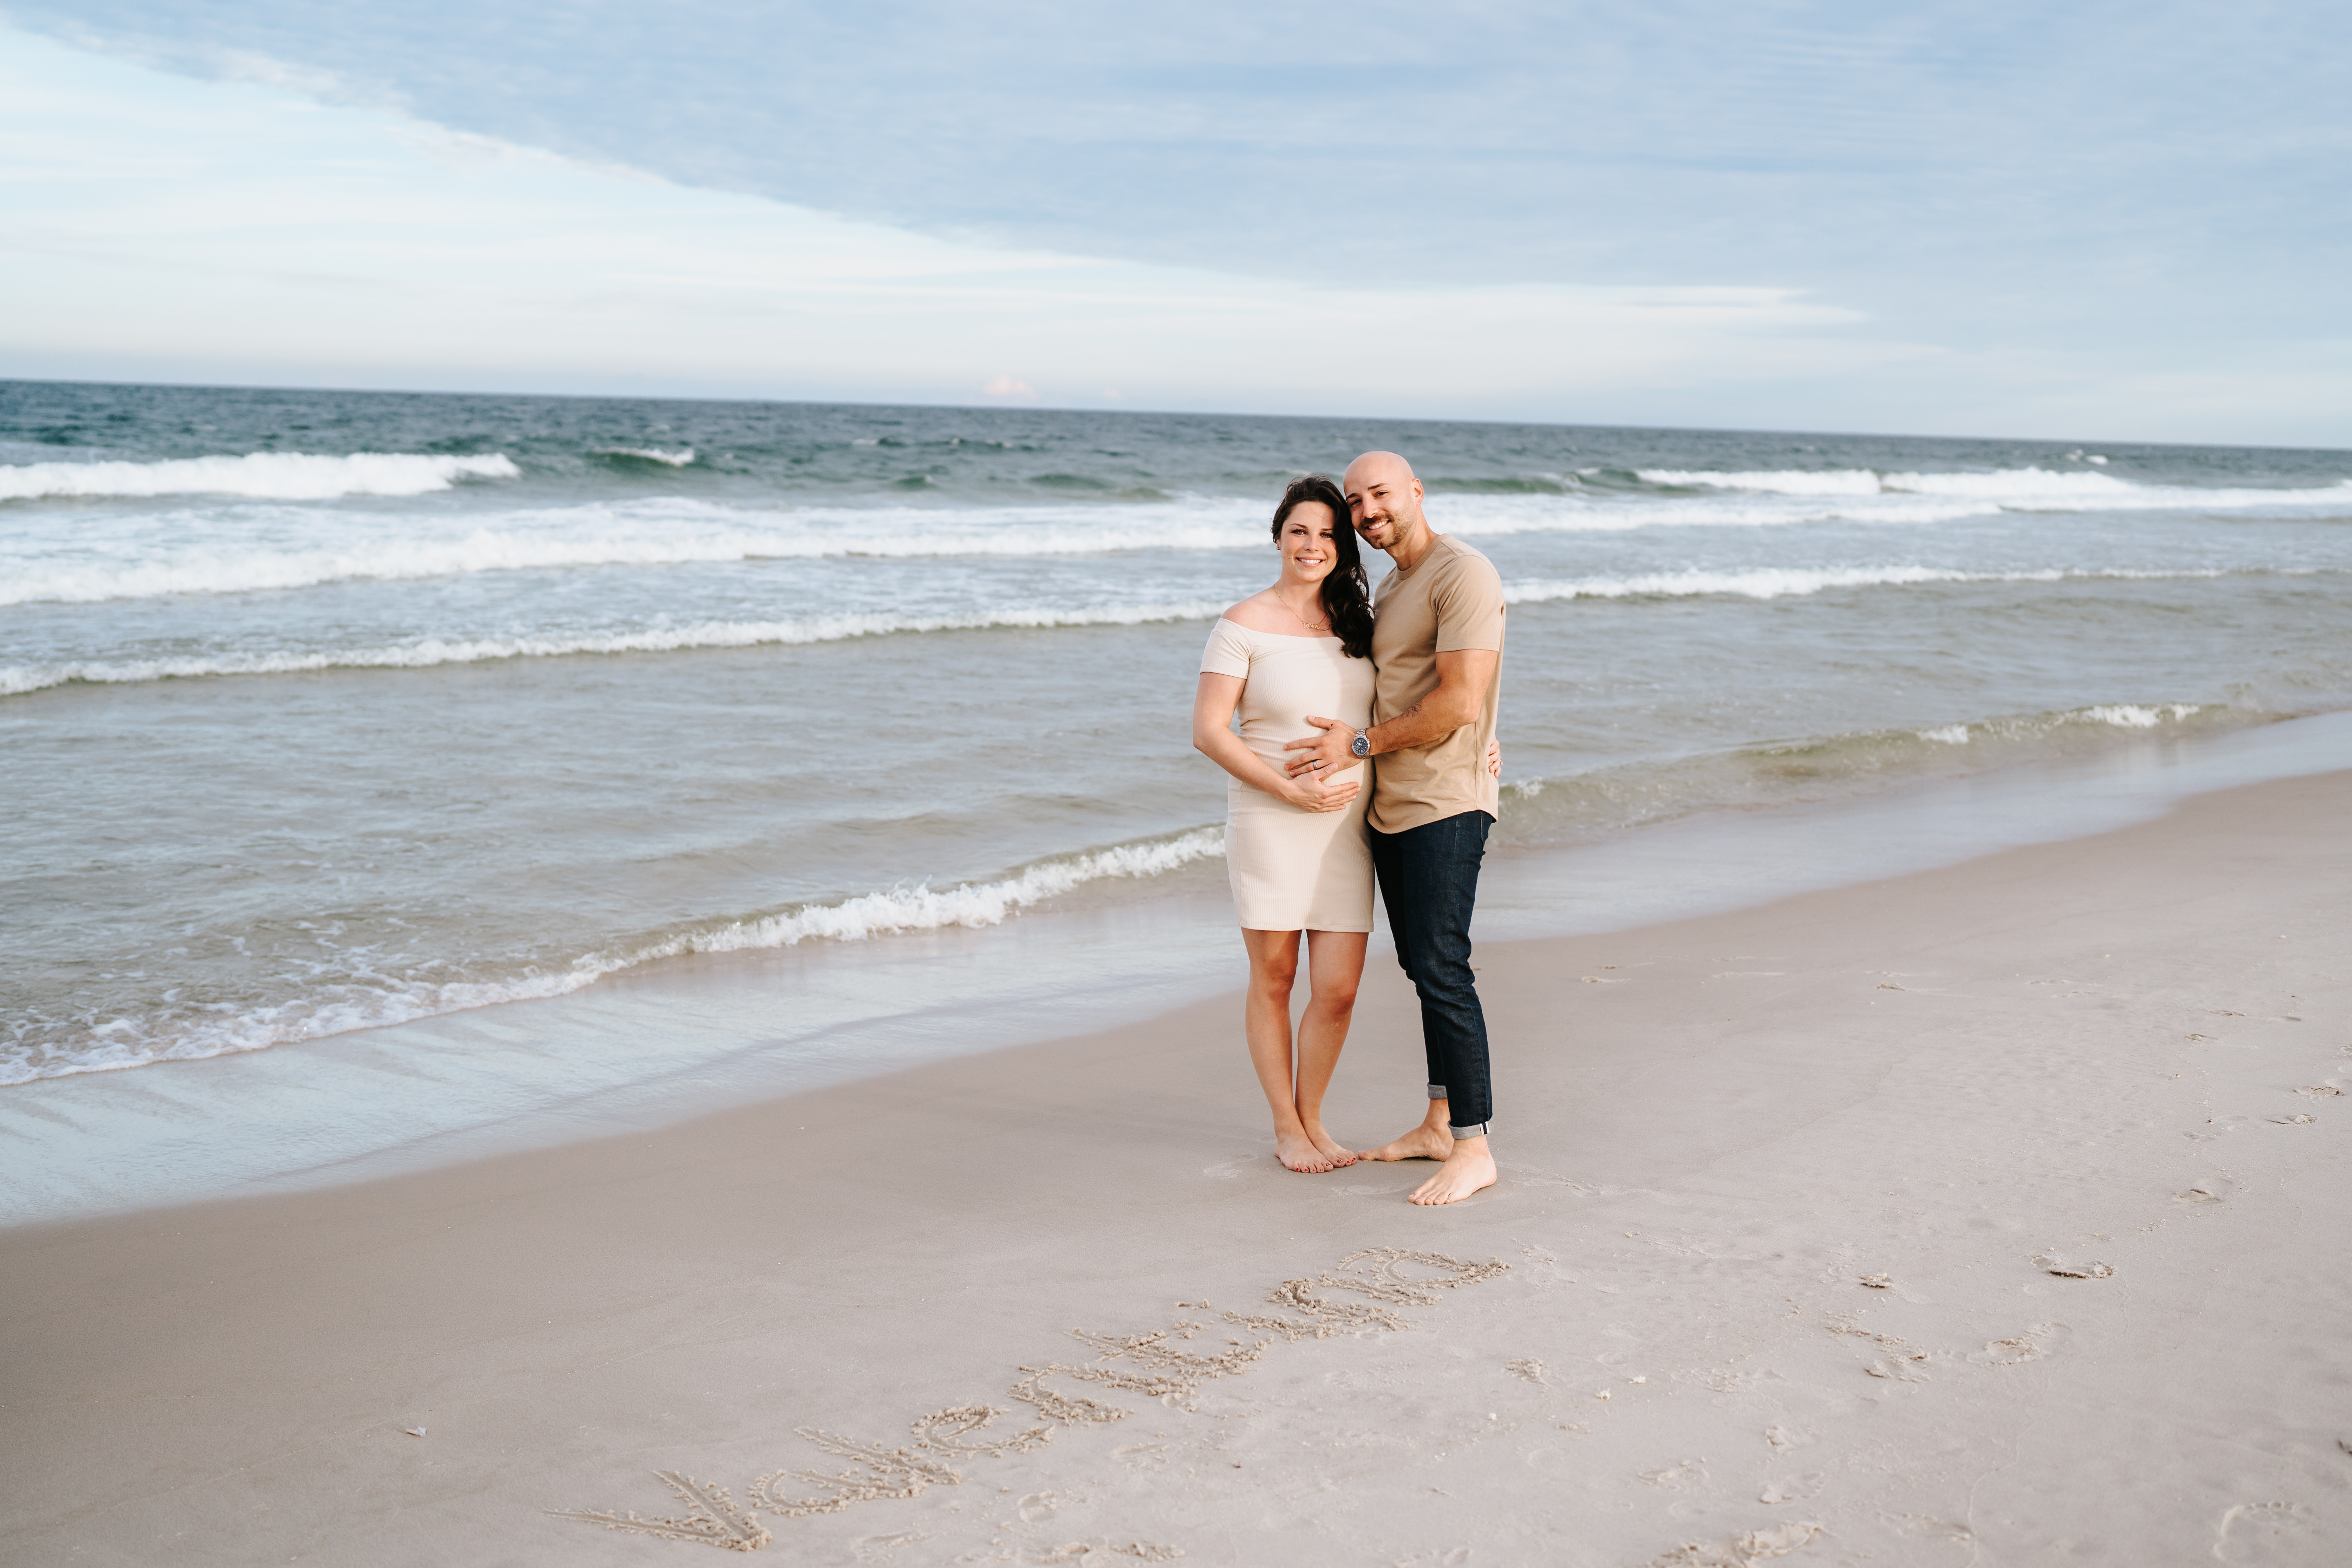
x: 170, y: 224
x: 1937, y: 216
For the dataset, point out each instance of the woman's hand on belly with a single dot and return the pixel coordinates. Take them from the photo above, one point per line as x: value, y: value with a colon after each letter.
x: 1314, y: 792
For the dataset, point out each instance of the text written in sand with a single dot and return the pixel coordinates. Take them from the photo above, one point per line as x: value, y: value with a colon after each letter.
x: 1156, y: 1364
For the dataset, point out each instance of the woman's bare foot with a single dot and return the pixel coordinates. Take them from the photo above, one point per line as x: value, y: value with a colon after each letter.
x: 1332, y: 1149
x: 1423, y: 1143
x: 1469, y: 1168
x: 1299, y: 1151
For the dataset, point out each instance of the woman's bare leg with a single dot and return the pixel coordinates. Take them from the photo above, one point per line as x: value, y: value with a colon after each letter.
x: 1274, y: 964
x: 1335, y: 966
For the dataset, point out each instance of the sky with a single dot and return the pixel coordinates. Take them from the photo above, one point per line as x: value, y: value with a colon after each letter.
x: 2106, y: 220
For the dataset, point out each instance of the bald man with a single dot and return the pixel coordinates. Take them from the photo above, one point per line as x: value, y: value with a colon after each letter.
x: 1437, y: 639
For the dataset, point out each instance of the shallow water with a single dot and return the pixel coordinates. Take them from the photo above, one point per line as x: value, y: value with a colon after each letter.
x: 329, y: 710
x: 683, y: 1036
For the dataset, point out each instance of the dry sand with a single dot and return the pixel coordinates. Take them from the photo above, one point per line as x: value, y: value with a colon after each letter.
x: 1998, y: 1215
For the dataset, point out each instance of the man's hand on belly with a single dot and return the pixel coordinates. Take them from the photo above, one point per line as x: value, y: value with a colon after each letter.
x: 1325, y: 753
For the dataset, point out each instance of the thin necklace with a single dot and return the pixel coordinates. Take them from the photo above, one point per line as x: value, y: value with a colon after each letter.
x: 1322, y: 626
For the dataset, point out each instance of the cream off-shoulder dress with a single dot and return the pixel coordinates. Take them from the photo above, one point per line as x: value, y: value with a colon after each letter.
x: 1293, y: 870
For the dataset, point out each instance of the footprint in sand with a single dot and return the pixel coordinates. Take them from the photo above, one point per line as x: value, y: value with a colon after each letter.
x: 1530, y: 1368
x: 2050, y: 1263
x: 1795, y: 1488
x: 2034, y: 1344
x: 1041, y: 1504
x: 1085, y: 1551
x: 2255, y: 1533
x: 1676, y: 1478
x: 1741, y: 1551
x: 1144, y: 1456
x: 1529, y: 1176
x: 2211, y: 1190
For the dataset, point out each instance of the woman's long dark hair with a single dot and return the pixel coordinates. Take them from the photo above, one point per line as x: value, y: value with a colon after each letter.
x: 1347, y: 596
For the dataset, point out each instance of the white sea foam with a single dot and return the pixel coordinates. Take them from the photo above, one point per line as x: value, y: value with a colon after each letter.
x: 1784, y: 581
x: 1758, y: 582
x: 267, y: 548
x: 923, y: 908
x: 680, y: 458
x: 15, y: 679
x: 120, y: 1043
x: 1792, y: 482
x: 651, y: 534
x: 264, y: 475
x: 2014, y: 488
x: 2133, y: 716
x: 2120, y: 715
x: 1761, y: 583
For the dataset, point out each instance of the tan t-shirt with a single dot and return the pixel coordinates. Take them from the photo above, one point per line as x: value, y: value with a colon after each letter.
x: 1451, y: 599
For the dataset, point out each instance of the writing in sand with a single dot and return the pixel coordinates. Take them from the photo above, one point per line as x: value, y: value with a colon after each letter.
x: 1156, y: 1364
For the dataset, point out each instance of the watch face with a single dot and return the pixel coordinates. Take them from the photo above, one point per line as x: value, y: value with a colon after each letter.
x: 1361, y: 745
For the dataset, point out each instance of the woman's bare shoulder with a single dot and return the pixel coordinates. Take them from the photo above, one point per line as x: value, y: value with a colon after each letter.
x: 1258, y: 612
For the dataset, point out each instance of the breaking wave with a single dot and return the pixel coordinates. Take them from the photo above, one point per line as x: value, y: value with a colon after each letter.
x: 1553, y: 810
x: 2016, y: 488
x: 924, y: 908
x: 373, y: 1002
x: 273, y: 549
x: 1760, y: 582
x: 261, y: 476
x: 651, y: 534
x: 680, y: 458
x: 15, y: 679
x: 1785, y: 582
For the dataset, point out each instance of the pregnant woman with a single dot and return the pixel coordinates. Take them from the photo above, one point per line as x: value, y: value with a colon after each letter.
x: 1295, y: 847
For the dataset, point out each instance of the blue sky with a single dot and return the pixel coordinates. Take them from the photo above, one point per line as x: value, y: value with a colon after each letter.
x: 2109, y: 220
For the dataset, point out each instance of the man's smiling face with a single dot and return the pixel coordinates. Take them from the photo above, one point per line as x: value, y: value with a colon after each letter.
x: 1383, y: 498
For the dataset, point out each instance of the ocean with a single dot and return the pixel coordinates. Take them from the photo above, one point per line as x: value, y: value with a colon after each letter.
x: 325, y: 711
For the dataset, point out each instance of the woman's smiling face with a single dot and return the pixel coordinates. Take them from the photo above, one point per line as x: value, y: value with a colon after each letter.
x: 1307, y: 551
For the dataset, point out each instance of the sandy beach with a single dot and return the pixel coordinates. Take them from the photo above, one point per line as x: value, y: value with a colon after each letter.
x: 1992, y: 1214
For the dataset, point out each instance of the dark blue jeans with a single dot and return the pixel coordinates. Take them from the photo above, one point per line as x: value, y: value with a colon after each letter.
x: 1429, y: 882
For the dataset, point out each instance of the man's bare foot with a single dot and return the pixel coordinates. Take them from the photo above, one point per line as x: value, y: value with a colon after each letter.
x: 1299, y: 1151
x: 1423, y: 1143
x: 1332, y: 1148
x: 1468, y: 1169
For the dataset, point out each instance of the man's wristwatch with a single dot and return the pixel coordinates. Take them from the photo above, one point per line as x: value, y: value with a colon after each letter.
x: 1361, y: 745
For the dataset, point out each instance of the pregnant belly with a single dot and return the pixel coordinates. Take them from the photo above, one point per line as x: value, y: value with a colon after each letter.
x: 1280, y: 761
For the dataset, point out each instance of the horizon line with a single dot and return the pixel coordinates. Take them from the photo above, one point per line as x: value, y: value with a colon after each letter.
x: 1013, y: 407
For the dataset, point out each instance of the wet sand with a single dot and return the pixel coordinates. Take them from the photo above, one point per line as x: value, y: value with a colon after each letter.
x: 1989, y: 1215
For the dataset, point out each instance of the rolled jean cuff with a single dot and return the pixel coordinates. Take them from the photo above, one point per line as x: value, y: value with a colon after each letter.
x: 1476, y: 1130
x: 1437, y: 1092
